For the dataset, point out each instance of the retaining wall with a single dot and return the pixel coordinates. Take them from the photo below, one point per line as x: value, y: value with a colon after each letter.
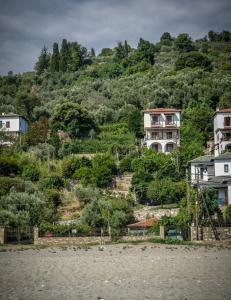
x: 206, y: 233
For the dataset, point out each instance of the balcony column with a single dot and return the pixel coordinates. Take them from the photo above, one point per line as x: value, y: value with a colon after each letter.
x: 229, y: 193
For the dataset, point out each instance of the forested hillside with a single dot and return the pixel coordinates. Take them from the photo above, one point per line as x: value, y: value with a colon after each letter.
x: 79, y: 102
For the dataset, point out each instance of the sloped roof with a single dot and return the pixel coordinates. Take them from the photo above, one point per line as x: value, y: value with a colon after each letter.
x: 11, y: 115
x: 143, y: 223
x: 225, y: 110
x: 224, y: 156
x: 160, y: 110
x: 203, y: 159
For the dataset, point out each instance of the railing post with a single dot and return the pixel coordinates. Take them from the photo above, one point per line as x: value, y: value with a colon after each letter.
x: 2, y: 235
x: 36, y: 235
x: 162, y: 232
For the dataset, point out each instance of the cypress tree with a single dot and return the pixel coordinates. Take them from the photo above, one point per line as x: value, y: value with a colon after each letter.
x: 43, y: 61
x: 92, y: 52
x: 64, y: 56
x: 55, y: 58
x: 75, y: 62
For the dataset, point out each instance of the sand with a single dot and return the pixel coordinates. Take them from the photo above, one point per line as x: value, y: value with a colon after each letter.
x: 122, y: 271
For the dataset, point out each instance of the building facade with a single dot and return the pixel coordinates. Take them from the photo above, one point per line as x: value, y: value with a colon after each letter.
x: 12, y: 125
x: 162, y: 129
x: 222, y: 131
x: 215, y: 170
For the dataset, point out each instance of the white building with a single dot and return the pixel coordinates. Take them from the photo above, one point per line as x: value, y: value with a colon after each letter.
x: 162, y: 129
x: 222, y: 130
x: 215, y: 170
x: 12, y: 125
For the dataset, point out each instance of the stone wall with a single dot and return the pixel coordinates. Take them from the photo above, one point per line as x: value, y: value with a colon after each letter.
x: 206, y: 233
x: 130, y: 238
x: 149, y: 212
x: 2, y: 235
x: 52, y: 241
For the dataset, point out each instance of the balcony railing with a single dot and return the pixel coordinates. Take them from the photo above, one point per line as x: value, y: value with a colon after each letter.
x: 156, y: 124
x: 174, y: 137
x: 225, y: 139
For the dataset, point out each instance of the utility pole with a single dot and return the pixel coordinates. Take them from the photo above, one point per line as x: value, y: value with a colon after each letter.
x: 187, y: 191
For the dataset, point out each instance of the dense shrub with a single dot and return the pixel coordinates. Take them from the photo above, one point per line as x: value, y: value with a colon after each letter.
x: 8, y: 166
x: 53, y: 197
x: 65, y: 230
x: 31, y: 172
x: 193, y: 60
x: 228, y: 214
x: 52, y: 182
x: 8, y: 183
x: 73, y: 163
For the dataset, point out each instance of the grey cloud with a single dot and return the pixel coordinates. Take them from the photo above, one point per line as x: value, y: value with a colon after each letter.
x: 27, y: 25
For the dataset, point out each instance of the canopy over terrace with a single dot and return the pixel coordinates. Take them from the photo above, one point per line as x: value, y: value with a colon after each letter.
x: 141, y: 227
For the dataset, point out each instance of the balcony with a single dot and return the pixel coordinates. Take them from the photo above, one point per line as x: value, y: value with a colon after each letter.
x: 170, y: 124
x: 225, y: 138
x: 156, y: 124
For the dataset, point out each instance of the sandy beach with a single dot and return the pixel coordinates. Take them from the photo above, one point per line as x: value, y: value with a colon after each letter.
x: 122, y: 271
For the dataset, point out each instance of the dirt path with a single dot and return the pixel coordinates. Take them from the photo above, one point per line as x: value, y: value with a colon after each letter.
x: 133, y: 272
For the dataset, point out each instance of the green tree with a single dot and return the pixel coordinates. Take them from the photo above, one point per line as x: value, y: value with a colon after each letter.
x: 165, y: 191
x: 21, y: 209
x: 166, y: 39
x: 146, y: 51
x: 73, y: 119
x: 183, y: 42
x: 64, y: 56
x: 25, y: 104
x: 43, y: 61
x: 54, y: 65
x: 38, y: 132
x: 106, y: 52
x: 135, y: 123
x: 192, y: 60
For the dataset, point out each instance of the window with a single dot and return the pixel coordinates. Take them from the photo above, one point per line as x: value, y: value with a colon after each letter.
x: 226, y: 168
x: 227, y: 121
x: 169, y: 147
x: 169, y: 135
x: 169, y: 120
x: 7, y: 124
x: 155, y: 120
x: 155, y: 135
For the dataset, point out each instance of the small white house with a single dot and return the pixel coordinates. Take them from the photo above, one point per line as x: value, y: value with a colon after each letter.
x: 12, y: 125
x: 222, y: 130
x: 215, y: 172
x: 162, y: 129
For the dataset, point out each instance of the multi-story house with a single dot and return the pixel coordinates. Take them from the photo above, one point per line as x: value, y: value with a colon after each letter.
x: 222, y: 131
x: 11, y: 125
x: 215, y: 170
x: 162, y: 129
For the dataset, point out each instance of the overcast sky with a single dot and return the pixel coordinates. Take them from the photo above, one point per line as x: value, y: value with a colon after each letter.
x: 27, y: 25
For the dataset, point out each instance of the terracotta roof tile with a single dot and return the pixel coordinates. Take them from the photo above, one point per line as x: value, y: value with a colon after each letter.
x: 167, y: 110
x: 143, y: 223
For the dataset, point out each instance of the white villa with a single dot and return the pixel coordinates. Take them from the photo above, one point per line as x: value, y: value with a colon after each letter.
x: 162, y: 129
x: 215, y: 170
x: 222, y: 130
x: 12, y: 125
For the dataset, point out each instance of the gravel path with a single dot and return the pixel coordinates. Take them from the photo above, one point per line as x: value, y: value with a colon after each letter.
x: 145, y: 271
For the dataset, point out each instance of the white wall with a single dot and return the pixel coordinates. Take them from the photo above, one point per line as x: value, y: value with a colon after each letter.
x: 17, y: 124
x: 218, y: 122
x: 195, y: 171
x: 147, y: 119
x: 219, y: 168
